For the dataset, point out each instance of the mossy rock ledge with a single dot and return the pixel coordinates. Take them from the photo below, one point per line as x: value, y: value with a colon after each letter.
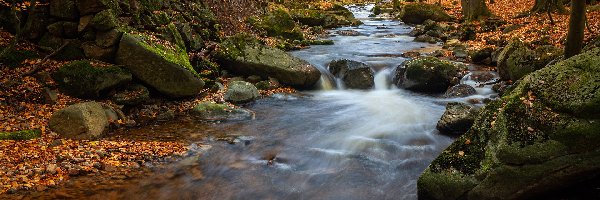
x: 163, y: 66
x: 246, y: 57
x: 542, y: 137
x: 417, y: 13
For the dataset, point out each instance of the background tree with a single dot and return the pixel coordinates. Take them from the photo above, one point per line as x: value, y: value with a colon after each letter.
x: 576, y: 28
x: 474, y: 9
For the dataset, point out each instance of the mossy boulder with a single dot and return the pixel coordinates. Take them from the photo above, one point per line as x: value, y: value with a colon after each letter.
x: 541, y: 137
x: 81, y: 79
x: 241, y: 92
x: 278, y: 23
x: 160, y: 64
x: 15, y: 57
x: 80, y: 121
x: 417, y: 13
x: 324, y: 18
x: 105, y: 20
x: 426, y: 74
x: 516, y: 60
x: 21, y: 135
x: 245, y: 56
x: 460, y: 90
x: 354, y: 74
x: 220, y: 112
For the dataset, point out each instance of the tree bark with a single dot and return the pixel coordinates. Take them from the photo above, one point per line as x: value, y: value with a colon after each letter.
x: 541, y: 6
x: 474, y: 9
x: 576, y: 28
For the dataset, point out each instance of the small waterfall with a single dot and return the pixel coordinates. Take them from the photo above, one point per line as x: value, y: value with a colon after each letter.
x: 382, y: 79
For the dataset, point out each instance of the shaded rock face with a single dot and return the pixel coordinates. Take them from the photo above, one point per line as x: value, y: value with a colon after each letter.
x: 81, y: 79
x: 355, y: 75
x: 242, y: 56
x: 417, y: 13
x: 516, y: 60
x: 134, y: 94
x: 542, y: 136
x: 241, y: 92
x: 460, y: 90
x: 426, y: 74
x: 165, y: 68
x: 80, y: 121
x: 221, y: 112
x: 331, y: 18
x: 457, y: 119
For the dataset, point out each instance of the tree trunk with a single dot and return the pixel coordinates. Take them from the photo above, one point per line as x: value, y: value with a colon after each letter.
x: 576, y: 28
x: 474, y: 9
x: 549, y: 6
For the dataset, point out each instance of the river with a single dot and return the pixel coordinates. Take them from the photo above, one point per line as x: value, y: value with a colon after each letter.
x: 329, y: 143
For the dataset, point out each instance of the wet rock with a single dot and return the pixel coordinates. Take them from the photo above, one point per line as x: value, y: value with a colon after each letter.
x: 427, y: 38
x: 355, y: 75
x: 245, y: 56
x: 457, y: 119
x: 417, y: 13
x: 540, y: 137
x: 241, y: 92
x: 426, y: 74
x: 134, y: 94
x: 411, y: 54
x: 167, y: 70
x: 80, y: 121
x: 165, y: 115
x: 221, y: 112
x: 483, y: 77
x: 81, y: 79
x: 348, y: 33
x: 460, y: 90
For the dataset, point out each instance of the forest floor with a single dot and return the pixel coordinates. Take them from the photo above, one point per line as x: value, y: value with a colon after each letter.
x: 48, y: 161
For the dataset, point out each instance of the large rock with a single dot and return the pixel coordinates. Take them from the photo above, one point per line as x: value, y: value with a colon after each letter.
x: 220, y: 112
x: 417, y: 13
x: 457, y: 119
x: 87, y: 7
x: 355, y: 75
x: 516, y: 60
x: 460, y: 90
x: 245, y: 57
x: 335, y: 17
x: 163, y: 66
x: 542, y: 137
x: 134, y: 94
x: 81, y: 79
x: 241, y: 92
x: 80, y: 121
x: 426, y: 74
x: 277, y: 23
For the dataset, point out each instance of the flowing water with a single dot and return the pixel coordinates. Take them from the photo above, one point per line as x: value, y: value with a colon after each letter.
x: 326, y: 144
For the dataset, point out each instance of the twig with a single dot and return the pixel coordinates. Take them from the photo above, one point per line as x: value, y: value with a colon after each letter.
x: 39, y: 65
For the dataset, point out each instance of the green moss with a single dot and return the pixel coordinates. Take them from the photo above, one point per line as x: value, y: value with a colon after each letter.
x: 161, y: 18
x: 277, y: 23
x: 81, y: 79
x: 446, y: 185
x: 234, y: 46
x: 21, y: 135
x: 417, y: 13
x: 168, y: 51
x: 105, y: 20
x: 15, y: 57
